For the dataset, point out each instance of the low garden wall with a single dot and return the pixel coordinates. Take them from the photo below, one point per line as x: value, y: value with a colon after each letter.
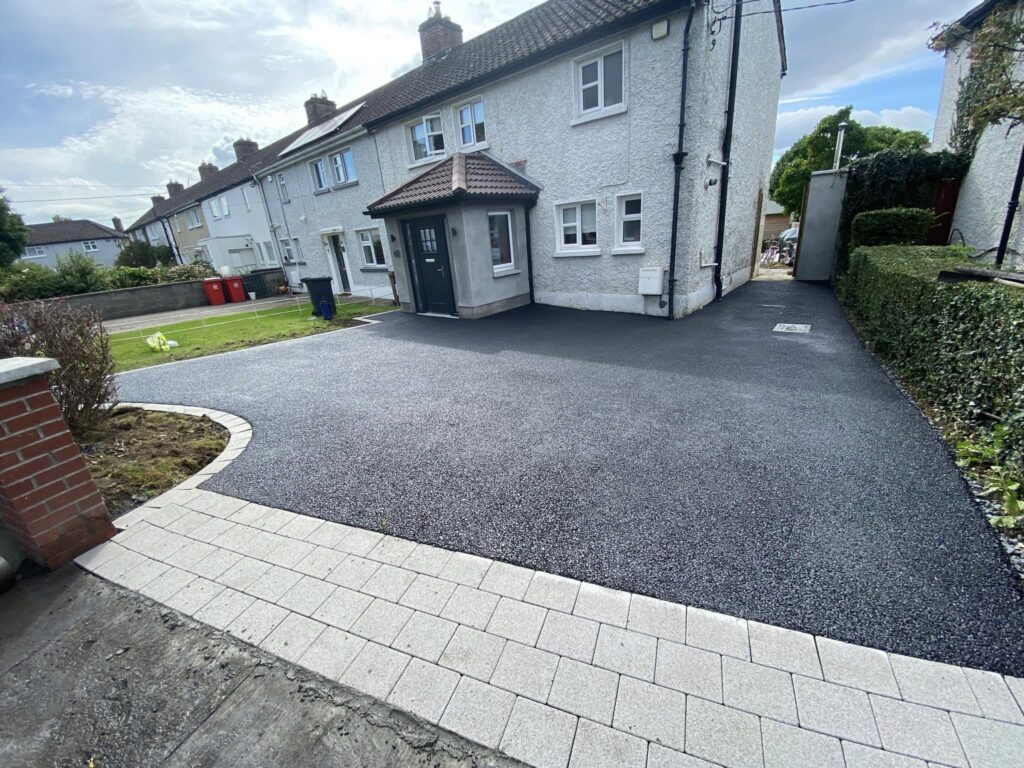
x: 142, y: 300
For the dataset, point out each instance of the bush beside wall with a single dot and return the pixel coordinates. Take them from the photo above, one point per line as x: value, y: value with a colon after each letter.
x: 890, y: 226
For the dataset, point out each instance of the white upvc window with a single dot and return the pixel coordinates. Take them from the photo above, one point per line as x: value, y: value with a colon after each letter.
x: 89, y: 246
x: 268, y: 249
x: 245, y: 199
x: 600, y: 82
x: 282, y: 188
x: 36, y: 252
x: 288, y: 249
x: 499, y: 225
x: 177, y: 223
x: 319, y: 173
x: 471, y: 123
x: 343, y: 167
x: 629, y: 221
x: 577, y: 226
x: 224, y: 210
x: 214, y: 208
x: 427, y: 137
x: 192, y: 218
x: 371, y: 246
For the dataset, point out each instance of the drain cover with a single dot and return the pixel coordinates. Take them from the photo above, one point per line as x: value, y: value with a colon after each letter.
x: 791, y: 328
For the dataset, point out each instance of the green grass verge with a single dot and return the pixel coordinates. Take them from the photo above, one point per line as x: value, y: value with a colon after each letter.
x: 198, y: 338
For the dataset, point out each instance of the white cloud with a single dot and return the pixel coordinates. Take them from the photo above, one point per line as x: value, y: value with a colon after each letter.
x: 793, y: 124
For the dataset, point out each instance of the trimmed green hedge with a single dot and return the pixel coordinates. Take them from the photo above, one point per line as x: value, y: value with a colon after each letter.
x: 890, y: 226
x: 956, y: 345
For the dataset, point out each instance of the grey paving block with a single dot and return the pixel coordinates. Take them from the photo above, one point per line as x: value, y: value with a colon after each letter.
x: 328, y: 535
x: 690, y: 670
x: 427, y: 594
x: 717, y: 632
x: 188, y: 555
x: 506, y: 579
x: 243, y: 573
x: 424, y: 689
x: 571, y: 636
x: 215, y: 564
x: 427, y: 559
x: 300, y: 527
x: 934, y: 684
x: 342, y: 608
x: 143, y: 573
x: 723, y: 735
x: 525, y: 670
x: 292, y: 637
x: 392, y: 550
x: 257, y: 621
x: 1016, y: 686
x: 784, y: 649
x: 307, y: 595
x: 224, y: 608
x: 835, y: 710
x: 353, y: 572
x: 597, y: 746
x: 358, y: 541
x: 472, y: 607
x: 658, y: 618
x: 331, y: 653
x: 375, y: 670
x: 194, y: 595
x: 918, y: 731
x: 860, y: 756
x: 273, y: 583
x: 758, y: 689
x: 988, y: 743
x: 551, y: 591
x: 858, y: 667
x: 166, y: 584
x: 651, y: 712
x: 478, y: 711
x: 993, y: 695
x: 630, y: 653
x: 608, y: 606
x: 473, y: 653
x: 786, y: 746
x: 425, y: 636
x: 516, y: 620
x: 320, y: 562
x: 381, y: 621
x: 661, y: 757
x: 389, y: 583
x: 539, y: 735
x: 584, y: 690
x: 288, y: 552
x: 464, y: 568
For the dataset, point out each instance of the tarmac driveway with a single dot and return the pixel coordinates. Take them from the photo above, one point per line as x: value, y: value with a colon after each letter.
x: 778, y: 477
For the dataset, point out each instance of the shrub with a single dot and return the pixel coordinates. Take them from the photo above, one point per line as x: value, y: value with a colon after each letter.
x: 132, y: 277
x: 138, y: 254
x: 25, y: 280
x: 194, y: 271
x: 890, y: 226
x: 75, y: 338
x: 956, y: 345
x: 77, y: 273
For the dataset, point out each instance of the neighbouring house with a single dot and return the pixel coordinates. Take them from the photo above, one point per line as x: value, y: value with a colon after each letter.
x: 584, y: 154
x: 151, y: 227
x: 776, y: 220
x: 48, y: 241
x: 986, y: 189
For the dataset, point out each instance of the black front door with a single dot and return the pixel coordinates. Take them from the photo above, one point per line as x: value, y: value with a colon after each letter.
x: 429, y: 249
x: 339, y: 256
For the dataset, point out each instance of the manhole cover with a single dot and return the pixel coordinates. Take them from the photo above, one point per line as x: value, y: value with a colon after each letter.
x: 791, y: 328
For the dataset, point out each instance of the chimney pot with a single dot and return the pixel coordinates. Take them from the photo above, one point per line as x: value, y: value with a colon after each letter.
x: 118, y: 225
x: 206, y: 170
x: 157, y: 199
x: 174, y: 188
x: 438, y: 34
x: 244, y: 148
x: 318, y: 107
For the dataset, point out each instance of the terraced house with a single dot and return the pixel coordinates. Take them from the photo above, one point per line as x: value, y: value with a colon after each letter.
x: 586, y: 154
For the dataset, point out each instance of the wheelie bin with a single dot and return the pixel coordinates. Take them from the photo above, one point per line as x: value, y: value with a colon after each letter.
x: 320, y: 290
x: 214, y: 290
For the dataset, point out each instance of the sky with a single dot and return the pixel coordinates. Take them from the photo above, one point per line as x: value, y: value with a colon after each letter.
x: 108, y: 99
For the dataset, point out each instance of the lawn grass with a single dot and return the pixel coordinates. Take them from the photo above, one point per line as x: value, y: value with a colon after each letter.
x: 198, y: 338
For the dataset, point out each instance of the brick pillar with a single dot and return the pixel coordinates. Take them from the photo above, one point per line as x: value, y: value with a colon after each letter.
x: 48, y: 500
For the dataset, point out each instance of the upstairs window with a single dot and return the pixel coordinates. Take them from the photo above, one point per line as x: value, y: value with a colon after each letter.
x: 224, y: 210
x: 319, y: 174
x: 192, y: 218
x: 282, y: 188
x: 37, y: 252
x: 215, y: 208
x: 578, y: 226
x: 89, y: 246
x: 427, y: 138
x: 344, y: 167
x: 629, y: 225
x: 245, y: 199
x: 600, y: 82
x: 471, y: 123
x: 372, y: 247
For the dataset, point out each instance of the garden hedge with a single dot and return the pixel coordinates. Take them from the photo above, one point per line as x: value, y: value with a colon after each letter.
x: 956, y: 345
x: 890, y: 226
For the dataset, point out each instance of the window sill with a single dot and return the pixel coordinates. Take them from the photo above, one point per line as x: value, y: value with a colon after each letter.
x: 627, y: 250
x: 375, y: 268
x: 427, y: 161
x: 580, y: 252
x: 323, y: 191
x: 346, y: 184
x: 589, y: 117
x: 478, y: 147
x: 506, y: 273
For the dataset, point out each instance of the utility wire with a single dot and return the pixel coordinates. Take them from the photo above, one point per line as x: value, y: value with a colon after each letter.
x: 84, y: 186
x: 69, y: 199
x: 795, y: 8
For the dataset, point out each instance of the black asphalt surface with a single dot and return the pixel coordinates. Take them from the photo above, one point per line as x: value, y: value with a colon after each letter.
x: 709, y: 461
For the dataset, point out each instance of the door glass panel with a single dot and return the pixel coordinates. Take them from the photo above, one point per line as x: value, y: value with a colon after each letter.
x: 613, y: 78
x: 428, y: 240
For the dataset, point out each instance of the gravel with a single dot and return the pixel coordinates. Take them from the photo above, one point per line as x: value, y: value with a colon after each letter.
x: 778, y: 477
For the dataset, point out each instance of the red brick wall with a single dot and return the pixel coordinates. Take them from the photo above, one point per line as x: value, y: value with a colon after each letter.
x: 48, y: 500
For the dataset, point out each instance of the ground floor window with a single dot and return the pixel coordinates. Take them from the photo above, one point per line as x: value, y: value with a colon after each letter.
x: 500, y: 227
x: 629, y: 213
x: 578, y: 225
x: 291, y: 249
x: 372, y: 247
x: 268, y: 251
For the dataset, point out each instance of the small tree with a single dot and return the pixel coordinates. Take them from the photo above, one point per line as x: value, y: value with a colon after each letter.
x: 140, y: 254
x: 13, y: 233
x: 79, y: 274
x: 57, y: 218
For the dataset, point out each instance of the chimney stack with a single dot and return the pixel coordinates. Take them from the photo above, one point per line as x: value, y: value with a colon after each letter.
x: 244, y: 148
x: 318, y: 107
x: 117, y: 224
x: 174, y: 188
x: 438, y: 34
x: 157, y: 199
x: 206, y: 170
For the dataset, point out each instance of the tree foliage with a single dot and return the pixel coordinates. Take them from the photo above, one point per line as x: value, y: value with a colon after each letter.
x: 13, y: 233
x: 816, y: 150
x: 139, y: 254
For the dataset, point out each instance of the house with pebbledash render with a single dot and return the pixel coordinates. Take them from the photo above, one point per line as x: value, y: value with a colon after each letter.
x: 605, y: 156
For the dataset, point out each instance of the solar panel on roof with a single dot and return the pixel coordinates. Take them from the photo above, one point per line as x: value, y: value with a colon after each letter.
x: 321, y: 130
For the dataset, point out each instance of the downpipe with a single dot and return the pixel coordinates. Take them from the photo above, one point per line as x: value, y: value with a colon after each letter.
x: 723, y: 195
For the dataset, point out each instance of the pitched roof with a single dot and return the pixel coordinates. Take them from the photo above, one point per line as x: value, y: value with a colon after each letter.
x: 462, y: 177
x: 69, y: 232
